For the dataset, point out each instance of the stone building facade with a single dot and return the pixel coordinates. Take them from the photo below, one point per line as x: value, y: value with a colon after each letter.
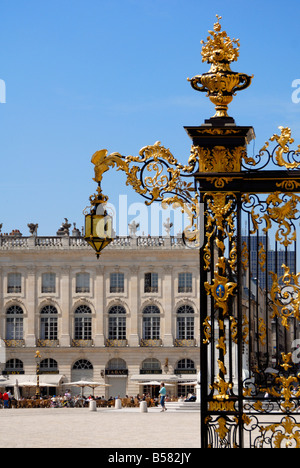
x: 127, y: 319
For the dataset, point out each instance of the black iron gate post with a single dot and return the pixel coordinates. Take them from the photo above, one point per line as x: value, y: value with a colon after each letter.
x: 204, y: 349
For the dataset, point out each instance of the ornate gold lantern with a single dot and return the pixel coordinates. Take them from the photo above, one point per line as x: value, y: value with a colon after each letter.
x: 98, y: 223
x: 98, y: 229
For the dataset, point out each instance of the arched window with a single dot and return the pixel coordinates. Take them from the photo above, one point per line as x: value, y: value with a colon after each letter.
x: 116, y: 364
x: 83, y: 364
x: 14, y: 323
x: 117, y: 323
x: 14, y: 366
x: 49, y: 323
x: 48, y: 365
x: 151, y: 323
x: 185, y: 323
x: 83, y: 323
x: 151, y: 366
x: 186, y: 364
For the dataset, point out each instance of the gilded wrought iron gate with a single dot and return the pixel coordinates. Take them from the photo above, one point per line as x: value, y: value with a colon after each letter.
x: 250, y: 296
x: 250, y: 288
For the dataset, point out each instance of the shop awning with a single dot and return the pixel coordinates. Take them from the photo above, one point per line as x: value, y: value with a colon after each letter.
x: 51, y: 379
x: 154, y: 377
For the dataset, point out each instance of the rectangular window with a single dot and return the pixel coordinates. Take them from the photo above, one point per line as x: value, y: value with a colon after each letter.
x: 185, y: 328
x: 83, y: 283
x: 151, y: 283
x: 49, y: 328
x: 151, y: 328
x: 117, y: 328
x: 184, y: 282
x: 83, y: 328
x: 116, y: 283
x: 14, y: 329
x: 14, y: 283
x: 48, y: 282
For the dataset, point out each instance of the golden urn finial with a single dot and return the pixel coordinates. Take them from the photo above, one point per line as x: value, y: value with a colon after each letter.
x: 220, y: 83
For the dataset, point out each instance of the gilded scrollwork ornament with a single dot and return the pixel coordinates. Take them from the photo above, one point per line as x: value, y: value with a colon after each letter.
x: 285, y: 434
x: 282, y: 149
x: 285, y: 296
x: 156, y: 175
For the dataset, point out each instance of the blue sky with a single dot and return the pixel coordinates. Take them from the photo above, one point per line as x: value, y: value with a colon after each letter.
x: 85, y: 75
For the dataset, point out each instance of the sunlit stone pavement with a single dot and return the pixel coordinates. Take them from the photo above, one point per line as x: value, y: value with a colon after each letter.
x: 106, y: 428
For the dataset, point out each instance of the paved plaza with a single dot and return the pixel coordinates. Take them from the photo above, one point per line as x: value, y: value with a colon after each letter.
x: 106, y: 428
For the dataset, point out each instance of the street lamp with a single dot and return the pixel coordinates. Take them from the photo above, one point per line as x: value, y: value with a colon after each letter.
x: 38, y: 358
x: 98, y: 223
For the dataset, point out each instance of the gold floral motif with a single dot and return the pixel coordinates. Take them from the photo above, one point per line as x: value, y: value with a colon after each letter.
x: 222, y: 387
x: 221, y: 159
x: 283, y: 140
x: 245, y: 329
x: 262, y: 331
x: 222, y: 367
x: 282, y: 208
x: 217, y: 131
x: 285, y: 387
x: 258, y: 406
x: 221, y: 344
x: 285, y: 296
x: 287, y: 358
x: 283, y: 212
x: 234, y: 329
x: 284, y: 433
x: 219, y: 182
x: 289, y: 435
x: 245, y: 256
x: 207, y: 330
x: 103, y: 162
x: 222, y: 429
x: 232, y: 261
x: 288, y: 184
x: 262, y: 256
x: 219, y: 221
x: 219, y: 47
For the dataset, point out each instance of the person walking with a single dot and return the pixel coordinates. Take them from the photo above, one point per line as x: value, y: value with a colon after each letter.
x: 6, y: 400
x: 163, y: 393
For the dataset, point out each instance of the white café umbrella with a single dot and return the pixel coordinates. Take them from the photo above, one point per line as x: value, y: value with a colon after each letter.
x: 17, y: 394
x: 86, y: 383
x: 156, y: 382
x: 34, y: 384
